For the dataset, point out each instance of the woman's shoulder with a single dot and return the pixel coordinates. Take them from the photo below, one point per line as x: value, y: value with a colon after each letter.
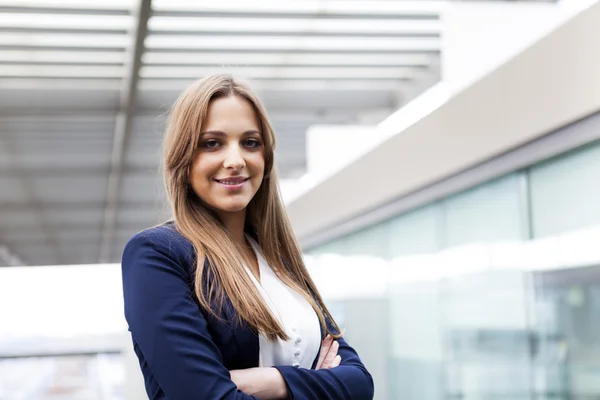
x: 165, y: 239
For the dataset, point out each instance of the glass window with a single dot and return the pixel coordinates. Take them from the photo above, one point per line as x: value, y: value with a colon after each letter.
x: 415, y: 354
x: 415, y: 232
x: 565, y: 193
x: 490, y: 212
x: 337, y: 246
x: 371, y: 241
x: 487, y: 338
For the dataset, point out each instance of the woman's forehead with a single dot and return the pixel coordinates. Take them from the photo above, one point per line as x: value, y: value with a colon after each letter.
x: 231, y: 113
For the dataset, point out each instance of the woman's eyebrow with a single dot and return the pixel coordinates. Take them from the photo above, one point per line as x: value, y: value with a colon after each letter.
x: 213, y: 132
x: 221, y: 133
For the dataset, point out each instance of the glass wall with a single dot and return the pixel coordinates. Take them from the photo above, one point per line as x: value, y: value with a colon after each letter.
x: 493, y: 293
x: 89, y: 377
x: 65, y: 337
x: 495, y: 211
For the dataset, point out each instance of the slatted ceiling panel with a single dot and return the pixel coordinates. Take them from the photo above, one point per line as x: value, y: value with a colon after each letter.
x: 124, y: 232
x: 128, y: 227
x: 32, y: 134
x: 85, y: 159
x: 37, y: 254
x: 87, y: 217
x: 133, y: 216
x: 298, y: 86
x: 144, y: 160
x: 62, y: 69
x: 17, y: 215
x: 325, y: 99
x: 159, y: 101
x: 62, y: 146
x: 16, y: 101
x: 81, y: 257
x: 78, y: 250
x: 81, y: 235
x: 13, y: 190
x: 257, y: 26
x: 25, y: 236
x: 123, y: 235
x: 69, y: 190
x: 98, y: 122
x: 70, y: 134
x: 314, y: 9
x: 36, y: 237
x: 269, y: 59
x: 5, y: 156
x: 145, y: 140
x: 307, y: 73
x: 51, y: 145
x: 142, y: 188
x: 120, y: 240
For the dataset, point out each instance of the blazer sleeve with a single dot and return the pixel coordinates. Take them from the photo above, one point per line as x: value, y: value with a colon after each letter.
x: 348, y: 381
x: 168, y: 327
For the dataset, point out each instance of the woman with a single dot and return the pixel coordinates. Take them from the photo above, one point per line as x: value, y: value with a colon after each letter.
x: 218, y: 301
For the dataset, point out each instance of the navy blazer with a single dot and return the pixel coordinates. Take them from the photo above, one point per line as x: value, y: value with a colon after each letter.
x: 185, y: 353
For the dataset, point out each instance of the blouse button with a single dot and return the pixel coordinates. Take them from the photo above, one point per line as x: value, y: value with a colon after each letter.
x: 297, y: 352
x: 298, y: 340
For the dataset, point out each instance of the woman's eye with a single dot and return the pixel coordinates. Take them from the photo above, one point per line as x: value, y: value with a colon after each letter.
x: 251, y: 143
x: 211, y: 144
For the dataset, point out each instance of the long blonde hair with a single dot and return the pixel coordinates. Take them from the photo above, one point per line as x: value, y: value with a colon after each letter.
x: 220, y: 272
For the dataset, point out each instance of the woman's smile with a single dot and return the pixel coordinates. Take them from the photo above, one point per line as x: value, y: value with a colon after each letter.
x: 233, y: 183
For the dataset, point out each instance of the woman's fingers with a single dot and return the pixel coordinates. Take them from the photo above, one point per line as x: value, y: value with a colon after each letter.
x: 328, y: 356
x: 336, y: 361
x: 325, y: 346
x: 331, y: 354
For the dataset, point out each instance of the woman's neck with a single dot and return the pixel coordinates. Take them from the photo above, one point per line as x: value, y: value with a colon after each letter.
x: 235, y: 223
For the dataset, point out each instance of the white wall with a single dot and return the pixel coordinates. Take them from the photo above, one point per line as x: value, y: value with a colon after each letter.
x: 554, y: 82
x: 481, y: 36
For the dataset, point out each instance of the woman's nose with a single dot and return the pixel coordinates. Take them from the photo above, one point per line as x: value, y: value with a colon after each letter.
x: 234, y: 158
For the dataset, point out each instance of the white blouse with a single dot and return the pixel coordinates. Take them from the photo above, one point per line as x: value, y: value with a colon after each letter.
x: 296, y: 316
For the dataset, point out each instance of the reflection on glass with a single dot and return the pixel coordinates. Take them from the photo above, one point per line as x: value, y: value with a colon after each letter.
x: 486, y: 336
x: 567, y: 304
x: 89, y: 377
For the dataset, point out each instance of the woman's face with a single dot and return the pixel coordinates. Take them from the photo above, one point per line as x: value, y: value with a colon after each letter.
x: 229, y: 164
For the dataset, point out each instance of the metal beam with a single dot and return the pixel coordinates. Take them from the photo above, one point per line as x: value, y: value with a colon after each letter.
x: 290, y: 33
x: 73, y: 31
x: 62, y: 10
x: 368, y: 14
x: 123, y: 128
x: 278, y: 50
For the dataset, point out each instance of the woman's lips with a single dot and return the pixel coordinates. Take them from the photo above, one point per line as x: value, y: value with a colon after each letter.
x: 233, y: 182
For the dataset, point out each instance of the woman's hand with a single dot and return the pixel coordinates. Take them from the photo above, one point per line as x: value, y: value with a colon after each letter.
x: 267, y: 383
x: 328, y: 356
x: 263, y: 383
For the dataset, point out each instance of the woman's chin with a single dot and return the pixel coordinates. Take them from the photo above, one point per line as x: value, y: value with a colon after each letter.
x: 232, y: 207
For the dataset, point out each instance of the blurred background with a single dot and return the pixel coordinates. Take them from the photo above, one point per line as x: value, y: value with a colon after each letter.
x: 440, y: 161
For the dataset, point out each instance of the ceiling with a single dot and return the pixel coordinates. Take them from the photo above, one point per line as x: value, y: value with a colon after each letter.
x: 85, y: 85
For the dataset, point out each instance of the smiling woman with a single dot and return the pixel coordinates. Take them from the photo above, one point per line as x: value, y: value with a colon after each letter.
x: 218, y: 301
